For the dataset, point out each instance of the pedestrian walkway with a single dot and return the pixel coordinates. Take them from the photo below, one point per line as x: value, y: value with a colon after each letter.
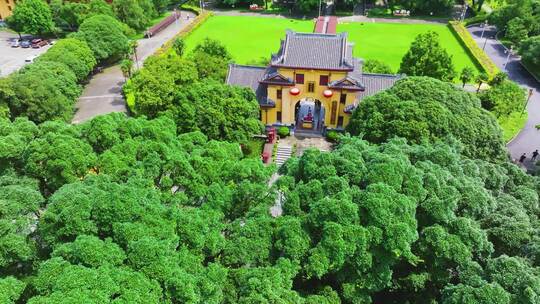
x: 103, y: 94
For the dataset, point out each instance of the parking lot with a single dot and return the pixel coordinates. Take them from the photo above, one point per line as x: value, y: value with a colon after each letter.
x: 12, y: 59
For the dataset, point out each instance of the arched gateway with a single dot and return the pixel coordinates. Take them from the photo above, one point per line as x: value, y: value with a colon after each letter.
x: 310, y: 70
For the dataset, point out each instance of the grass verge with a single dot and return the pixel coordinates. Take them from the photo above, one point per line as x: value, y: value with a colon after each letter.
x: 512, y: 124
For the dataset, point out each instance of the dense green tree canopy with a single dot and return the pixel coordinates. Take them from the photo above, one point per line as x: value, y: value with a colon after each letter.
x: 427, y: 57
x: 105, y: 36
x: 137, y: 14
x: 421, y: 109
x: 129, y: 210
x: 530, y: 51
x: 171, y: 85
x: 377, y: 67
x: 32, y: 17
x: 43, y: 91
x: 504, y: 98
x: 74, y: 53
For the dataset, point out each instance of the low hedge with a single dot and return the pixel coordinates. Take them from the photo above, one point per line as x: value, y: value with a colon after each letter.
x: 199, y: 19
x: 476, y: 19
x: 481, y: 58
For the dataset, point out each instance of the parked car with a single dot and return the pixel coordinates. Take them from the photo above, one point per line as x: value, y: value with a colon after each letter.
x: 30, y: 58
x: 37, y: 43
x: 15, y: 44
x: 25, y: 44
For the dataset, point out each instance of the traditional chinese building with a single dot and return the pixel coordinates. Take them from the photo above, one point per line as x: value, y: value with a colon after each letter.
x: 313, y: 82
x: 6, y: 8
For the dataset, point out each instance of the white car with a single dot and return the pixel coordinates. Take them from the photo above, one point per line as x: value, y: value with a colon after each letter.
x: 30, y: 58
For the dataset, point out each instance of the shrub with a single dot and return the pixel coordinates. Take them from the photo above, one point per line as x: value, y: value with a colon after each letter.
x: 332, y: 136
x: 283, y: 131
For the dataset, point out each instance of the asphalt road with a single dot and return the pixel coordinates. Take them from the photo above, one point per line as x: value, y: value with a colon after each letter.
x: 103, y: 94
x: 12, y: 59
x: 528, y: 139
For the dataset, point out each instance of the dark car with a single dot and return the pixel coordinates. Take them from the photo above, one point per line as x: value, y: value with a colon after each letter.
x: 25, y: 44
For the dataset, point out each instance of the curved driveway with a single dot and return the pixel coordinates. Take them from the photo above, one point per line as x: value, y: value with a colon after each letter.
x: 528, y: 139
x: 103, y: 94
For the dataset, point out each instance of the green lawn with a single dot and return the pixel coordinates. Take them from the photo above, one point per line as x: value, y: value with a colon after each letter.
x: 390, y: 41
x: 247, y: 38
x: 512, y: 124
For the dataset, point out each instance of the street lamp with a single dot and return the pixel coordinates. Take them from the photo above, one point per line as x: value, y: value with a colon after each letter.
x: 508, y: 57
x: 464, y: 13
x: 527, y: 102
x: 484, y: 29
x: 320, y: 7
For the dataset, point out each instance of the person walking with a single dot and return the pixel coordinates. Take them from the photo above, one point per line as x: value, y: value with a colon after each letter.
x: 534, y: 154
x: 522, y: 158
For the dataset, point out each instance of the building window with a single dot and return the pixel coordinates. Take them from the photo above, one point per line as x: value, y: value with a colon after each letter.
x: 300, y: 78
x: 278, y: 118
x: 279, y: 94
x: 323, y: 80
x: 340, y: 122
x: 311, y: 87
x: 343, y: 98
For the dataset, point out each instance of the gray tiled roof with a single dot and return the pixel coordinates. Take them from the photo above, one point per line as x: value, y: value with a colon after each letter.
x: 313, y: 50
x: 375, y: 83
x: 249, y: 77
x: 245, y: 75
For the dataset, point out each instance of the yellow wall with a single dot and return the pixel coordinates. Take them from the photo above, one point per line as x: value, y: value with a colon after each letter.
x: 6, y: 8
x: 288, y: 102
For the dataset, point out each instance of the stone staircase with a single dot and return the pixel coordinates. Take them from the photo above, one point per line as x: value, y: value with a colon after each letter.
x: 283, y: 153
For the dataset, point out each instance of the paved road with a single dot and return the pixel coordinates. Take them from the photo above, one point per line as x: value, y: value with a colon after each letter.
x: 104, y: 92
x: 528, y: 139
x: 12, y: 59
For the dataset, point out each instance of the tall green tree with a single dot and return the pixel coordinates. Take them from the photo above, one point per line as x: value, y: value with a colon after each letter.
x: 427, y: 57
x: 32, y: 17
x: 467, y: 75
x: 105, y: 36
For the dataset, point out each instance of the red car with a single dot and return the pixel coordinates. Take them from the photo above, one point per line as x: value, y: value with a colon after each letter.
x: 37, y: 43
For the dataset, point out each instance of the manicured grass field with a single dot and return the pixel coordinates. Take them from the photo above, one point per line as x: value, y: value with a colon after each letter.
x: 390, y: 41
x: 248, y: 39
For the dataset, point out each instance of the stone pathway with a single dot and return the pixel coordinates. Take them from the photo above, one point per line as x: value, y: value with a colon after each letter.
x: 284, y: 152
x: 103, y: 94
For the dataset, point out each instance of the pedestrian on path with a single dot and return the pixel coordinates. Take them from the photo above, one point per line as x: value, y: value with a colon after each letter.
x: 534, y: 154
x: 522, y: 158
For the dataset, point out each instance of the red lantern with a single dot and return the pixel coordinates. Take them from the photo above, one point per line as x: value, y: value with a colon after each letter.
x: 294, y: 91
x: 328, y: 93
